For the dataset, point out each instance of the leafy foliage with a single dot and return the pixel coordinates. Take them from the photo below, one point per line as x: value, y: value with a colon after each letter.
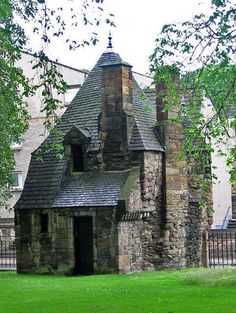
x: 203, y: 50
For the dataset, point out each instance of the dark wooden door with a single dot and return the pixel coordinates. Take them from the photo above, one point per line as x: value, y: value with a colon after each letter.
x: 83, y: 239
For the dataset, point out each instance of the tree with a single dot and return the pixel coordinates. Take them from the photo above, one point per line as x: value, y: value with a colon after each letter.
x: 47, y: 22
x: 203, y: 51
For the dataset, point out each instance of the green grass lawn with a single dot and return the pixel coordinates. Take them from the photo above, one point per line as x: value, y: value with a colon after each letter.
x: 186, y: 291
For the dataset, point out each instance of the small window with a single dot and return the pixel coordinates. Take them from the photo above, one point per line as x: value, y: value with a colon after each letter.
x: 16, y: 145
x: 70, y: 93
x: 43, y: 223
x: 17, y: 182
x: 77, y: 158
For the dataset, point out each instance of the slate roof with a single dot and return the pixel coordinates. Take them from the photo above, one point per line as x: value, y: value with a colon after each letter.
x: 91, y: 189
x: 84, y: 110
x: 42, y: 184
x: 45, y: 178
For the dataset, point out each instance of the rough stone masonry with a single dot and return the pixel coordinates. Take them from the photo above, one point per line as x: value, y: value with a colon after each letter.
x: 120, y: 200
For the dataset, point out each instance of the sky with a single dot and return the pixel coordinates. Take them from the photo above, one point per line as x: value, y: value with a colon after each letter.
x: 138, y: 23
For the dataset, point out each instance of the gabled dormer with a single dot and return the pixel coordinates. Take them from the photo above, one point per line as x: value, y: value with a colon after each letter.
x: 76, y: 142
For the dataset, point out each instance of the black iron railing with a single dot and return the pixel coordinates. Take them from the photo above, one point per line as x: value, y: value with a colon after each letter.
x: 221, y: 246
x: 7, y: 252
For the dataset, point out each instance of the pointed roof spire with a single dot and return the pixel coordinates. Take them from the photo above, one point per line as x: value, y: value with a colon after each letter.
x: 109, y: 41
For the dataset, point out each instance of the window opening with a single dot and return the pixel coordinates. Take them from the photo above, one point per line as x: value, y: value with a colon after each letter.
x: 77, y: 156
x: 44, y: 223
x: 16, y: 145
x: 17, y: 182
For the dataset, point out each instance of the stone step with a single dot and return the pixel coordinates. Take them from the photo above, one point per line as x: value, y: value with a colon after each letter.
x: 232, y: 224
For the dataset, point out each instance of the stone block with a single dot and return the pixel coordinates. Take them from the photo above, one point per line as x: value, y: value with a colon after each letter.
x: 124, y: 262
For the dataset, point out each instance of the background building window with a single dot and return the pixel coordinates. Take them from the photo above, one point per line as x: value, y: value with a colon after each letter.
x: 16, y: 145
x: 17, y: 182
x: 70, y: 93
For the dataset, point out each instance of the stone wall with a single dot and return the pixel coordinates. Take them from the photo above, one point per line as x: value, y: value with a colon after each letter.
x: 130, y: 246
x: 119, y: 246
x: 62, y: 242
x: 153, y: 190
x: 175, y: 189
x: 140, y: 228
x: 181, y: 221
x: 53, y: 252
x: 131, y: 192
x: 141, y: 233
x: 152, y: 242
x: 106, y: 241
x: 194, y: 233
x: 151, y: 176
x: 199, y: 217
x: 143, y: 189
x: 139, y: 243
x: 44, y: 253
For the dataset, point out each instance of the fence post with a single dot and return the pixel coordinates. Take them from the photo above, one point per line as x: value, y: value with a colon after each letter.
x: 205, y: 258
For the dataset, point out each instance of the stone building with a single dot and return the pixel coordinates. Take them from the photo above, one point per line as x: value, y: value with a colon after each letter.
x: 35, y: 133
x: 120, y: 199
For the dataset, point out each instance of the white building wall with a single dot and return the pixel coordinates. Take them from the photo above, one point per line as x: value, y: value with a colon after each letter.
x: 222, y: 188
x: 144, y: 81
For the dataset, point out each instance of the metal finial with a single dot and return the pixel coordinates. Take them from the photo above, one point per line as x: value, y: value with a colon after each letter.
x: 109, y: 41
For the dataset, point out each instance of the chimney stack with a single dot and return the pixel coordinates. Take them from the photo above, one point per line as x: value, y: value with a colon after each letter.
x: 116, y: 120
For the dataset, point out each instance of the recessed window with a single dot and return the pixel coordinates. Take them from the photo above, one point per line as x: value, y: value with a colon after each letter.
x: 70, y: 93
x: 77, y: 158
x: 17, y: 182
x: 43, y: 223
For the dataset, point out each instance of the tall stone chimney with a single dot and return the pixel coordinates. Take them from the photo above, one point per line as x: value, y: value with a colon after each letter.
x: 175, y: 181
x: 116, y: 120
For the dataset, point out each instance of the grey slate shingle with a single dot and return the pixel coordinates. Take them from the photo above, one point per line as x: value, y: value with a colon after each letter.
x: 91, y: 189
